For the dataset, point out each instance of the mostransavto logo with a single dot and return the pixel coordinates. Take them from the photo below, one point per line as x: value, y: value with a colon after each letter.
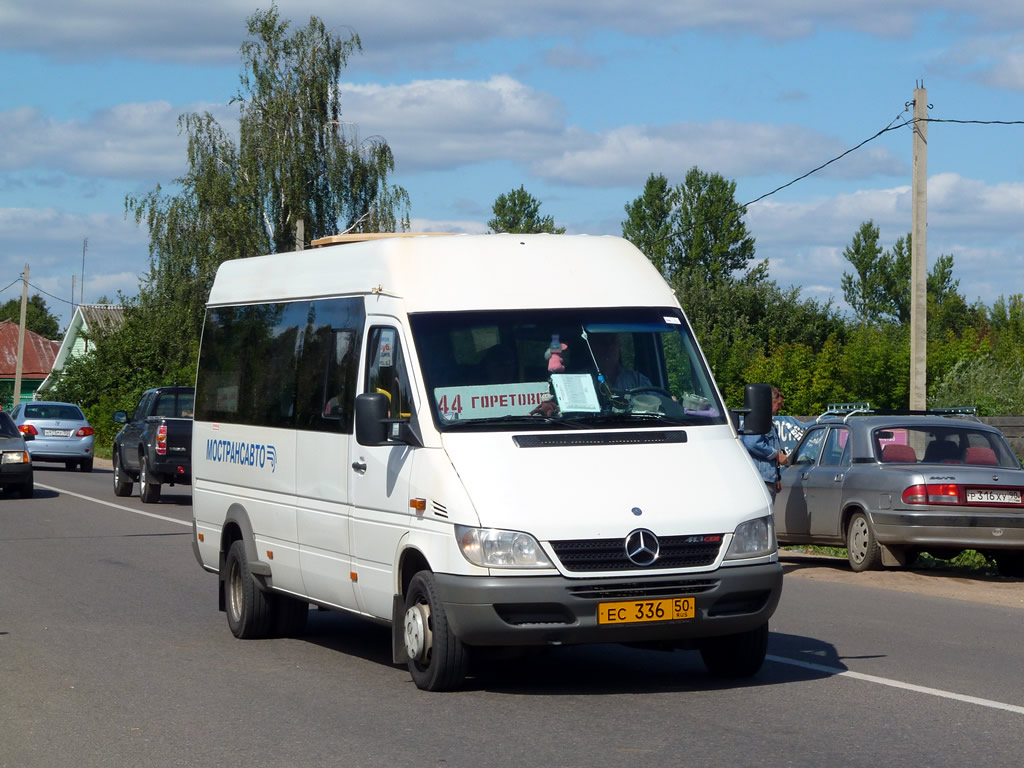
x: 255, y: 455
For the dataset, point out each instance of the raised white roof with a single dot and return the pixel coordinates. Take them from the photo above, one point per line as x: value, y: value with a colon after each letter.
x: 455, y: 272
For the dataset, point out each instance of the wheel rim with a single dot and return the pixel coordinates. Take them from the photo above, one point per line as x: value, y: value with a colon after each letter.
x: 417, y: 632
x: 117, y: 471
x: 143, y: 479
x: 859, y: 540
x: 235, y: 592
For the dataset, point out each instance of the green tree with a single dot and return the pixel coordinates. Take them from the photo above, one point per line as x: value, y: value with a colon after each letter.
x: 294, y: 160
x: 711, y: 242
x: 519, y: 212
x: 648, y: 223
x: 38, y: 317
x: 865, y: 290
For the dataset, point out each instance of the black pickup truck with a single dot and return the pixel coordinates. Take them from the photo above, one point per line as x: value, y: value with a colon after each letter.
x: 155, y: 445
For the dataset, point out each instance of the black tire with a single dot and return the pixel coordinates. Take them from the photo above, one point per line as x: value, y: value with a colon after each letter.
x: 438, y: 660
x: 122, y: 481
x: 1010, y: 564
x: 290, y: 615
x: 27, y: 489
x: 740, y: 655
x: 249, y: 608
x: 149, y: 491
x: 861, y: 545
x: 85, y: 465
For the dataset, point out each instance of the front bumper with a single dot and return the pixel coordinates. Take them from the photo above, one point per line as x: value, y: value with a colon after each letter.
x: 12, y: 475
x: 554, y: 610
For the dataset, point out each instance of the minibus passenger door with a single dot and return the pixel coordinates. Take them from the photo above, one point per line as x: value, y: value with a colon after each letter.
x: 380, y: 474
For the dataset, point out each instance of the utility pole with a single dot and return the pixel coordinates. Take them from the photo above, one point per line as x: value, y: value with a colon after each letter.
x: 21, y: 339
x: 919, y: 255
x: 81, y: 289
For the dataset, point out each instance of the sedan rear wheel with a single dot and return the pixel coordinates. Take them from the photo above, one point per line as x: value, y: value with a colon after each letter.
x: 861, y: 544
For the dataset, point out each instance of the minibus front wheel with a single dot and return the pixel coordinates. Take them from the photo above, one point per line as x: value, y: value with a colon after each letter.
x: 437, y: 658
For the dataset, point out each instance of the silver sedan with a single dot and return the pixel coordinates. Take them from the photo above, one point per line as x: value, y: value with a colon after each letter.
x: 888, y: 486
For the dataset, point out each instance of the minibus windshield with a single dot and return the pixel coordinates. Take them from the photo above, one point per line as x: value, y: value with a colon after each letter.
x: 563, y: 368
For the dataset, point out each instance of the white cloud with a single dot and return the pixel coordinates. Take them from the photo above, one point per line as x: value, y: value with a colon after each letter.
x: 129, y: 141
x: 448, y: 123
x: 50, y: 242
x: 193, y: 31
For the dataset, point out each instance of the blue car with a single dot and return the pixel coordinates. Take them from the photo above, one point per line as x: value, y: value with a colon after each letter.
x: 60, y: 432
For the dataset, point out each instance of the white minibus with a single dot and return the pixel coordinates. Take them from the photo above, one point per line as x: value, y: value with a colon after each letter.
x: 486, y: 442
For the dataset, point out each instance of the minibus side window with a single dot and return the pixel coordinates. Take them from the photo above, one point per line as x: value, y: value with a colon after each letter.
x: 386, y: 372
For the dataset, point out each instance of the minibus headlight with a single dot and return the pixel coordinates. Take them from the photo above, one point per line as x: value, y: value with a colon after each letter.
x: 495, y: 548
x: 753, y: 538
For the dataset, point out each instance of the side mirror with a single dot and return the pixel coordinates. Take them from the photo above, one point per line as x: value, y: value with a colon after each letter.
x: 757, y: 409
x: 371, y: 419
x: 120, y: 417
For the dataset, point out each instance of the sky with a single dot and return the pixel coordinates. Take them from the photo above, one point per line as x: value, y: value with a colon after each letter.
x: 578, y: 101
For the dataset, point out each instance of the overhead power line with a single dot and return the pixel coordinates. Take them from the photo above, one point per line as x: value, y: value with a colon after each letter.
x: 892, y: 126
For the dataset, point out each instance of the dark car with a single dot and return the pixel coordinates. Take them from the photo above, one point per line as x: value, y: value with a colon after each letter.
x: 890, y: 485
x: 15, y: 460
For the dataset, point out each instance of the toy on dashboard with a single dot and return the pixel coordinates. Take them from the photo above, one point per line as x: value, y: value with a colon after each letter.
x: 553, y: 354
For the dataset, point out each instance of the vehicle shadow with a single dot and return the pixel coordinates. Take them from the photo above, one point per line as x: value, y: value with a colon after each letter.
x: 796, y: 563
x: 585, y: 669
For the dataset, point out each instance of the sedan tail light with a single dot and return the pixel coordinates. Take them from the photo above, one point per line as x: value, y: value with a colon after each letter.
x: 934, y: 493
x: 84, y: 432
x: 28, y: 429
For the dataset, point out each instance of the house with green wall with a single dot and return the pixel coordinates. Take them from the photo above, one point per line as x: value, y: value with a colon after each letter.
x: 37, y: 358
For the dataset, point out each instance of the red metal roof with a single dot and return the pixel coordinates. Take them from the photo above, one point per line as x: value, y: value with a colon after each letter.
x: 39, y: 353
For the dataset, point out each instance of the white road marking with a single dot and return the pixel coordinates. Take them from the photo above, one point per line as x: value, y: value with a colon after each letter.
x: 897, y: 684
x: 778, y: 659
x: 186, y: 523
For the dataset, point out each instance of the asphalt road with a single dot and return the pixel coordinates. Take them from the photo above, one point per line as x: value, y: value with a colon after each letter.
x: 113, y: 653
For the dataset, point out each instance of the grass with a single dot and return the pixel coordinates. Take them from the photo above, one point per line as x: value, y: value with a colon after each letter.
x: 967, y: 562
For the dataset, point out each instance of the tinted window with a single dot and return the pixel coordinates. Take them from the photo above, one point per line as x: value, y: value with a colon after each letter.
x: 53, y: 411
x: 278, y: 365
x: 7, y: 427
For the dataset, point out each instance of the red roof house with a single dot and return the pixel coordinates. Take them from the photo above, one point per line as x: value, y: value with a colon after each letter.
x: 37, y: 360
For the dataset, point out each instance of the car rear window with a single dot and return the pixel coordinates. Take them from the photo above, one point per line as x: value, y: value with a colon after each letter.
x: 943, y: 445
x: 62, y: 412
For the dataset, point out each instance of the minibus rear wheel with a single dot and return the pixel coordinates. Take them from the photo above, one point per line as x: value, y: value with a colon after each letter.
x: 249, y: 608
x: 437, y: 658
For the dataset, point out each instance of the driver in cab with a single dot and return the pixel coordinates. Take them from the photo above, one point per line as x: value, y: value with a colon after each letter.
x: 607, y: 352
